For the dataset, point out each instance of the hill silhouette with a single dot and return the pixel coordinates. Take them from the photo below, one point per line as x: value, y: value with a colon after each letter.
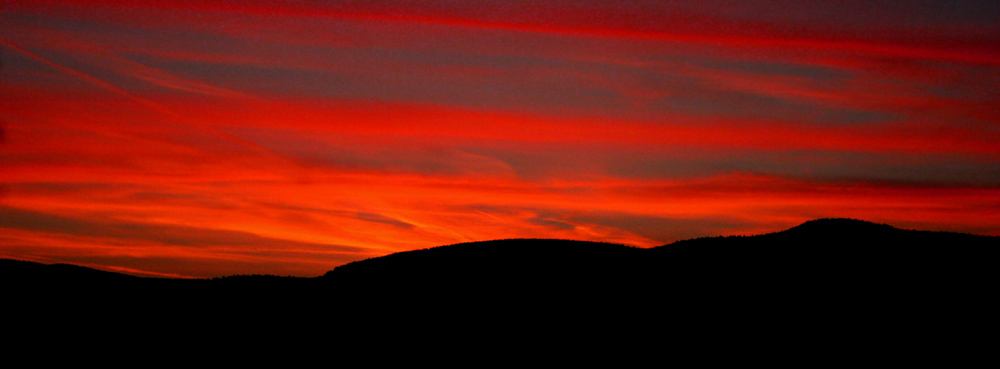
x: 833, y: 250
x: 18, y: 272
x: 829, y: 275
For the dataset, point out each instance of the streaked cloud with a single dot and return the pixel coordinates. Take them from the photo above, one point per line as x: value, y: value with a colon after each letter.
x: 195, y: 138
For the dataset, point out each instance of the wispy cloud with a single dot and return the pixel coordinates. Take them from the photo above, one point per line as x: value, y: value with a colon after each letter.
x: 204, y: 138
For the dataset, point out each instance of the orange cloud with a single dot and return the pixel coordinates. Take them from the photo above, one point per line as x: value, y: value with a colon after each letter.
x: 291, y: 139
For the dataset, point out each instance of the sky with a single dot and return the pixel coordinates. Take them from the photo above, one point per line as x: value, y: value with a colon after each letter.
x: 208, y: 138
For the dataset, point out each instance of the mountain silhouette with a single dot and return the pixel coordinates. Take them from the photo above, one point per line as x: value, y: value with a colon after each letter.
x: 828, y: 275
x: 843, y: 250
x: 18, y: 272
x: 829, y: 251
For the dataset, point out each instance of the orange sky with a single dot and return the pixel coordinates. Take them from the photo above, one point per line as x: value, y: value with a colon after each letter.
x: 201, y: 139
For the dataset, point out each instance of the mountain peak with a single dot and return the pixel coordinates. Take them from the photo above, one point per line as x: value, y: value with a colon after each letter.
x: 838, y: 225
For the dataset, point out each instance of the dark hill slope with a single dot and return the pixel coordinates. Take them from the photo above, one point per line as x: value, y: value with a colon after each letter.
x: 838, y: 248
x: 16, y: 271
x: 827, y: 251
x: 839, y: 276
x: 498, y: 261
x: 831, y: 266
x: 835, y: 275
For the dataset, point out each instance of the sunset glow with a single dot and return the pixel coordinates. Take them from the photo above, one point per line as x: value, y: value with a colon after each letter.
x: 208, y: 138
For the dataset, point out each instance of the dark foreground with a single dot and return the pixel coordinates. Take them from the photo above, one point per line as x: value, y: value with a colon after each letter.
x: 825, y: 278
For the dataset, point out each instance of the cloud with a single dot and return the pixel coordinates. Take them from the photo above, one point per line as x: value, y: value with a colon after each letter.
x: 199, y: 138
x: 165, y: 234
x: 131, y: 239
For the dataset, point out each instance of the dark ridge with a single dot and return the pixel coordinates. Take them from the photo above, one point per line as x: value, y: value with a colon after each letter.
x: 836, y: 225
x: 817, y: 246
x: 815, y: 257
x: 535, y: 257
x: 812, y: 229
x: 25, y: 271
x: 817, y: 285
x: 845, y: 270
x: 253, y: 277
x: 844, y: 249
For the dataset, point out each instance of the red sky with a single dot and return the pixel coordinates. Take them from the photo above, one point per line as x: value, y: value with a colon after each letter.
x: 200, y: 139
